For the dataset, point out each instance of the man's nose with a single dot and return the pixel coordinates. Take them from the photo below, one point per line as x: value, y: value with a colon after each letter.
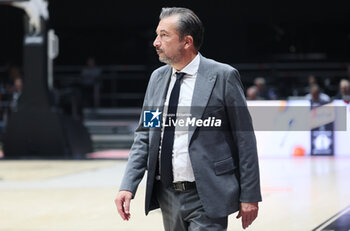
x: 156, y: 42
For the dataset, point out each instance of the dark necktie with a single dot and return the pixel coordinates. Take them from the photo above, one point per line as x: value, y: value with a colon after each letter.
x: 166, y: 167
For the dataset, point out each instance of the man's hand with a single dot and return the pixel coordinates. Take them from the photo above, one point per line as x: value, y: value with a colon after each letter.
x: 248, y: 212
x: 123, y: 204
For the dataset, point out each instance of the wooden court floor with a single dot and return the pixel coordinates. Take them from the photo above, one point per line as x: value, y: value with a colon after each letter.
x: 304, y: 193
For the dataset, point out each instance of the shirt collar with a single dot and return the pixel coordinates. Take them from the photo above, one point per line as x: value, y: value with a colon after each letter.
x: 192, y: 67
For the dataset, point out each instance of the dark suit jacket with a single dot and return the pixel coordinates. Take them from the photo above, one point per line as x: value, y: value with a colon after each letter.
x: 224, y: 159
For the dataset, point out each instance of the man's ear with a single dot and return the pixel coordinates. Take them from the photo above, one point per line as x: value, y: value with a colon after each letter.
x: 188, y: 41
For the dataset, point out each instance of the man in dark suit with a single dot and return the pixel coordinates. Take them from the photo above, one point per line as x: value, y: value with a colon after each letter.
x: 197, y: 175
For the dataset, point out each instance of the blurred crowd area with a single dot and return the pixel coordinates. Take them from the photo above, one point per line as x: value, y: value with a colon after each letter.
x: 315, y: 90
x: 68, y: 97
x: 99, y: 86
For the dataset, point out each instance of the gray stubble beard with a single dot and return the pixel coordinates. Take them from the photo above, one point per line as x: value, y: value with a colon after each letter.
x: 170, y: 61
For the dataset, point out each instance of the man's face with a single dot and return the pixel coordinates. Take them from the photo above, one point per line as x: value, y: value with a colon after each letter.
x: 344, y: 89
x: 167, y: 43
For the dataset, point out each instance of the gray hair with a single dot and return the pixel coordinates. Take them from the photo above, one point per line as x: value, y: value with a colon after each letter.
x: 188, y: 24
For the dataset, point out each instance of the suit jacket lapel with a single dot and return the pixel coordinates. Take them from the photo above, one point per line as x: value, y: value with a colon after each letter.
x: 202, y: 90
x: 161, y: 87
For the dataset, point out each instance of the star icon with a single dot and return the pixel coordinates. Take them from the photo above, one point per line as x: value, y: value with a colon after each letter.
x: 156, y: 114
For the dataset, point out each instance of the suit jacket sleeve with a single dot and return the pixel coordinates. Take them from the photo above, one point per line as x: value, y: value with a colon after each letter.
x: 137, y: 162
x: 243, y: 134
